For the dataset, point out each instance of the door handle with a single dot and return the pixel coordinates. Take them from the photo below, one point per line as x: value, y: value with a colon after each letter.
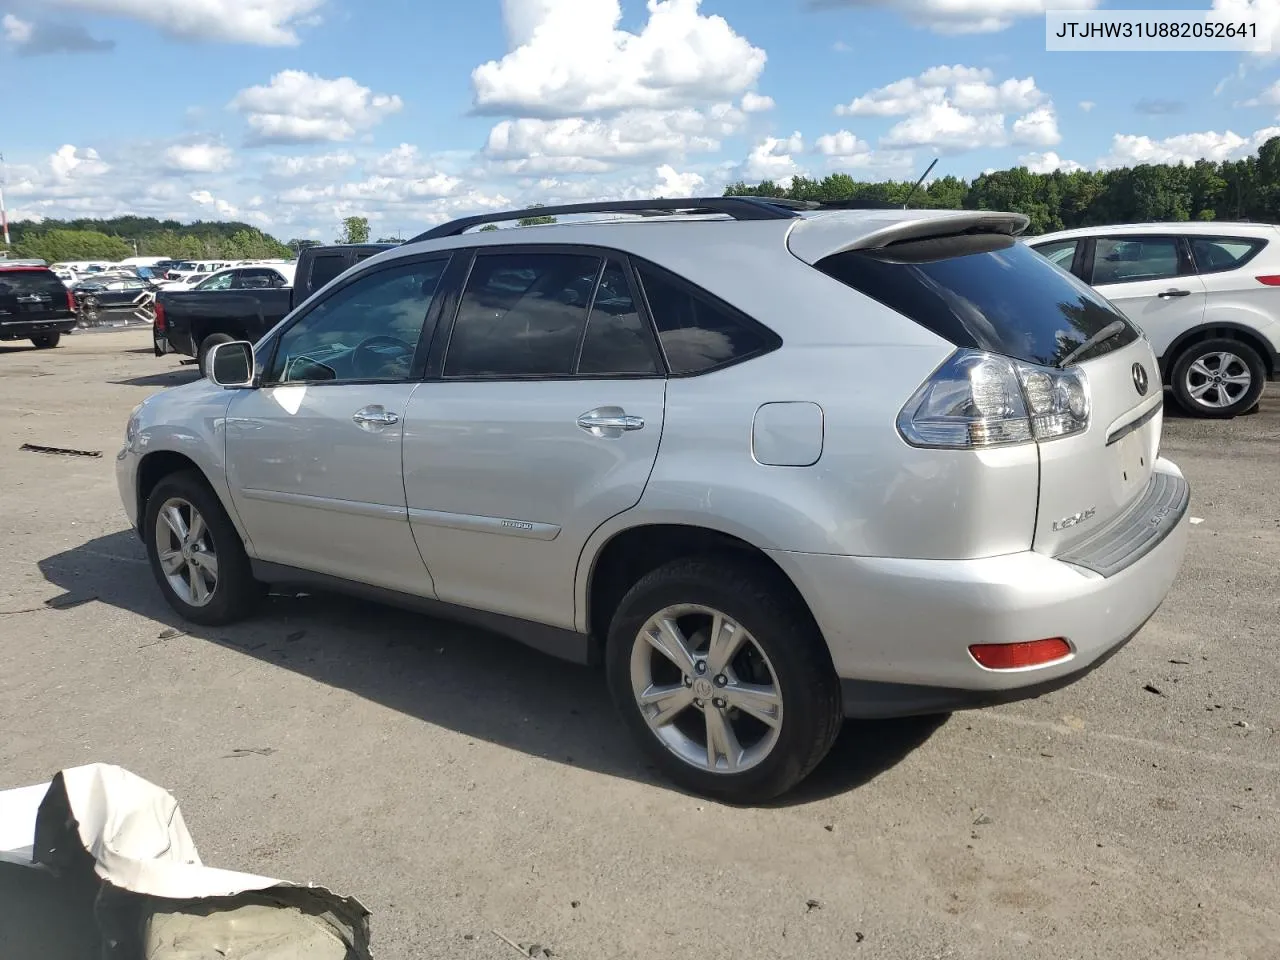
x: 609, y: 424
x: 374, y: 416
x: 1166, y: 294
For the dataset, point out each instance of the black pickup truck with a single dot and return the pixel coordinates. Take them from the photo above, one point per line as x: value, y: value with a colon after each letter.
x: 193, y: 322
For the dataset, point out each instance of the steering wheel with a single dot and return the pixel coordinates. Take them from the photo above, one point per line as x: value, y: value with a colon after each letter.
x: 370, y: 363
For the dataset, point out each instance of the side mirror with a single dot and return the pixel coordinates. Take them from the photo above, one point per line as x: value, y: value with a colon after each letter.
x: 231, y: 364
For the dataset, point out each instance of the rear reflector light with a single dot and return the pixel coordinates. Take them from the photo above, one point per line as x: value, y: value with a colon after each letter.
x: 159, y: 316
x: 1014, y: 656
x: 1271, y: 280
x: 977, y: 400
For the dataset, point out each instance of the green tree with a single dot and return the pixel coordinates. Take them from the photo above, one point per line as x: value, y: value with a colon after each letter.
x: 56, y: 245
x: 487, y: 227
x: 355, y: 230
x: 391, y: 239
x: 535, y: 221
x: 297, y: 245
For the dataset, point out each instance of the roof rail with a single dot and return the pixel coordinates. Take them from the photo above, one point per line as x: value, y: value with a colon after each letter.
x: 739, y: 208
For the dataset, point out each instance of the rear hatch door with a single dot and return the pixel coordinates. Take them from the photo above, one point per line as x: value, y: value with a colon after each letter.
x: 32, y: 294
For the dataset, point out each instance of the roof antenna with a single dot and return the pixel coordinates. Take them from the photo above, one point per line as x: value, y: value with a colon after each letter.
x: 912, y: 193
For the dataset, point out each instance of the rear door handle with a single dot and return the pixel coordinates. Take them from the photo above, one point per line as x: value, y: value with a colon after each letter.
x: 1166, y: 294
x: 374, y: 416
x: 601, y: 424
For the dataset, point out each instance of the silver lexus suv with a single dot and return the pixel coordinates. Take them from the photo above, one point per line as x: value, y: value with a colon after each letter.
x: 774, y: 464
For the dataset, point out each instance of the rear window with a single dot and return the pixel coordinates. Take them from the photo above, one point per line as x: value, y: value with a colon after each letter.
x: 985, y: 292
x: 324, y: 269
x: 32, y: 283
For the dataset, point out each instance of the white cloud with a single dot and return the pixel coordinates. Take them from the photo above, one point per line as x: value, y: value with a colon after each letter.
x: 198, y: 158
x: 569, y: 58
x: 671, y: 183
x: 1087, y: 105
x: 1128, y: 150
x: 379, y: 189
x: 1048, y: 163
x: 206, y: 199
x: 755, y: 103
x: 290, y: 167
x: 17, y: 32
x: 1269, y: 97
x: 268, y: 23
x: 299, y: 107
x: 968, y: 88
x: 965, y: 16
x: 69, y: 162
x: 1266, y: 13
x: 843, y: 147
x: 583, y: 145
x: 1039, y: 128
x: 771, y: 159
x: 948, y: 129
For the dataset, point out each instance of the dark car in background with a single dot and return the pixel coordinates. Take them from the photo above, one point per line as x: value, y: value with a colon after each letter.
x: 114, y: 297
x: 34, y: 305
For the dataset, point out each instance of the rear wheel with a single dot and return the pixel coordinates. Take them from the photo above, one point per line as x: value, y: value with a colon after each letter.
x: 196, y: 554
x: 722, y: 676
x: 47, y: 341
x: 206, y: 348
x: 1218, y: 378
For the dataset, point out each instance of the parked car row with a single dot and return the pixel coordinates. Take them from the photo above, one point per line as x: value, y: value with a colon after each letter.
x: 876, y: 463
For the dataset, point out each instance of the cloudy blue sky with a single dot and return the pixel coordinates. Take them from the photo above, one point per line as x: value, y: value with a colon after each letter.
x: 292, y: 114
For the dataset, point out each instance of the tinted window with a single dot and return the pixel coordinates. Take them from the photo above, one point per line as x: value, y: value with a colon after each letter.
x: 1128, y: 260
x: 1060, y: 252
x: 219, y: 281
x: 1215, y: 254
x: 522, y: 314
x: 324, y: 269
x: 697, y: 334
x: 617, y: 338
x: 257, y: 279
x: 986, y: 292
x: 23, y: 291
x: 368, y: 330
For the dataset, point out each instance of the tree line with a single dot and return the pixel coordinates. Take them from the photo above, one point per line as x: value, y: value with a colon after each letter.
x: 121, y: 237
x: 1247, y: 189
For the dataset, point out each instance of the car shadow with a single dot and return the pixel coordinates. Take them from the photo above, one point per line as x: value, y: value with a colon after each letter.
x: 167, y: 378
x: 458, y: 677
x: 17, y: 346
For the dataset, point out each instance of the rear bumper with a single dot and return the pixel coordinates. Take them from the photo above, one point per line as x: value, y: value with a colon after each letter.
x: 899, y: 629
x: 26, y: 329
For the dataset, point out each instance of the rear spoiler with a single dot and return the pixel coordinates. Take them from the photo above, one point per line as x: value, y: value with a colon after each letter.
x: 815, y: 238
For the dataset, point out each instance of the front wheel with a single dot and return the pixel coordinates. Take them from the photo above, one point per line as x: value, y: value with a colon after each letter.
x: 47, y: 341
x: 724, y: 679
x: 1218, y: 378
x: 196, y: 554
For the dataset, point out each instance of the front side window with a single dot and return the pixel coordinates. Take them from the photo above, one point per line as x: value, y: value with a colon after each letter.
x: 367, y: 331
x: 522, y: 315
x: 698, y: 335
x: 1218, y: 254
x: 1131, y: 259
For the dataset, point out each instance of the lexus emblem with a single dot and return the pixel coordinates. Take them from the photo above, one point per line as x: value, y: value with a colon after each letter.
x: 1140, y: 379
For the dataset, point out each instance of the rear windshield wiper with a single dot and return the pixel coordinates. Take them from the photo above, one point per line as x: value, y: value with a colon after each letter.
x: 1106, y: 333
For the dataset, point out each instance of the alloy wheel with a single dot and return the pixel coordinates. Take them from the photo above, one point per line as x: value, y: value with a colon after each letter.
x: 1218, y: 380
x: 706, y: 689
x: 186, y: 551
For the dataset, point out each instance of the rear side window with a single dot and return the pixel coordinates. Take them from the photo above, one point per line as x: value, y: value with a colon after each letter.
x: 1132, y: 259
x: 984, y: 292
x: 324, y: 269
x: 699, y: 334
x: 522, y: 315
x: 1217, y: 254
x: 617, y: 340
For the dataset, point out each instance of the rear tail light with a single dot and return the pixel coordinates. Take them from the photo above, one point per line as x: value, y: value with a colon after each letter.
x: 1271, y: 280
x: 978, y: 400
x: 71, y: 301
x: 1018, y: 656
x: 159, y: 316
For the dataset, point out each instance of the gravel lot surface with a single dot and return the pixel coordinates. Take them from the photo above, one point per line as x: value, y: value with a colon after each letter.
x: 460, y: 784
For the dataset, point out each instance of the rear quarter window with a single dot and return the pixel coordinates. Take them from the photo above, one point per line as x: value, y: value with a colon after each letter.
x: 985, y: 292
x: 1219, y: 254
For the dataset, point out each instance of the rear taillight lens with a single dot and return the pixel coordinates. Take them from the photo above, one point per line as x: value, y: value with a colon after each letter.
x: 977, y: 400
x: 159, y: 315
x: 1271, y: 280
x: 71, y: 301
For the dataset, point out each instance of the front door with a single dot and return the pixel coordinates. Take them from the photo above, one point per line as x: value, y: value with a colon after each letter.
x: 543, y: 423
x: 314, y: 455
x: 1153, y: 282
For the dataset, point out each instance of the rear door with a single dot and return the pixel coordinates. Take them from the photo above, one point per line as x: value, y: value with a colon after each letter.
x: 1152, y: 280
x: 540, y: 420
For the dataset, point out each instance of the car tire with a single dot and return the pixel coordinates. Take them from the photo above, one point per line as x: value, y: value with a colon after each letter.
x: 229, y: 590
x: 1196, y: 390
x: 781, y: 650
x: 206, y: 348
x: 47, y: 341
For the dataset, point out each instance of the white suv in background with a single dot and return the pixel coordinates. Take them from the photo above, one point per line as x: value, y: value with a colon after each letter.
x: 1206, y: 294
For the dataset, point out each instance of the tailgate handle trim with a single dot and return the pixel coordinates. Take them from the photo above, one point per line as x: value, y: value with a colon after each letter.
x: 1115, y: 436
